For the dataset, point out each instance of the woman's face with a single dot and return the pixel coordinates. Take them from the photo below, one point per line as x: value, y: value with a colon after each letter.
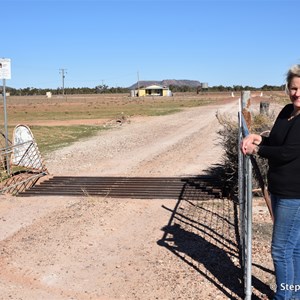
x: 294, y: 91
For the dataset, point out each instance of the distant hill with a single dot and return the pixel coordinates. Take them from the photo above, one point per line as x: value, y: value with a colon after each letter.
x: 167, y: 82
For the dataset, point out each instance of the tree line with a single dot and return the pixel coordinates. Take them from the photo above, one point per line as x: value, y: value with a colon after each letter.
x: 104, y: 89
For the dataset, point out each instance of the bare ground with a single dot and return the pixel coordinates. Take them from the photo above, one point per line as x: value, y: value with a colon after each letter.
x: 102, y: 248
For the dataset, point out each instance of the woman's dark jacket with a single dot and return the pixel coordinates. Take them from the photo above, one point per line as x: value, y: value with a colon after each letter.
x: 282, y: 149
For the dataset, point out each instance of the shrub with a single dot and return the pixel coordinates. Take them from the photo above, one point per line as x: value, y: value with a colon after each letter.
x: 228, y: 138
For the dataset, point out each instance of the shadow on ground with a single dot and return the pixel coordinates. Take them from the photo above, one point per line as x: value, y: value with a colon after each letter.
x: 205, y: 235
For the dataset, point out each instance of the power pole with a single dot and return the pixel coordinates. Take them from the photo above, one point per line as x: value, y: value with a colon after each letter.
x: 138, y: 83
x: 63, y: 72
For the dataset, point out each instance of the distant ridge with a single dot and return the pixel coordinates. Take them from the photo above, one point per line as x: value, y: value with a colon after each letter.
x: 167, y: 83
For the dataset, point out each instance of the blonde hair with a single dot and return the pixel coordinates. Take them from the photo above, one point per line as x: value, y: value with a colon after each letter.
x: 294, y: 71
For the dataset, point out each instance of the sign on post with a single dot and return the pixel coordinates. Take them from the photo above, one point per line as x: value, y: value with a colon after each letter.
x: 5, y: 72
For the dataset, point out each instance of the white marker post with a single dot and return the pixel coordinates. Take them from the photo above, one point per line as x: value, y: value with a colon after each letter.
x: 5, y: 73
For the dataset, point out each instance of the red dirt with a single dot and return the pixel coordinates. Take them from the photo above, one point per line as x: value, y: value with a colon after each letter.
x: 101, y: 248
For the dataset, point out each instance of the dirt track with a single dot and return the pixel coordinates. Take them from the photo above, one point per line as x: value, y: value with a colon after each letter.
x: 172, y: 145
x: 102, y: 248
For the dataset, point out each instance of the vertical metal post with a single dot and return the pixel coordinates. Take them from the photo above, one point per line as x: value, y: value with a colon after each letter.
x: 248, y: 266
x: 245, y: 194
x: 240, y: 190
x: 138, y: 83
x: 5, y: 126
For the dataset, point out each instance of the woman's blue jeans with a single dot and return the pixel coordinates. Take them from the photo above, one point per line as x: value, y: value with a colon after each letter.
x: 286, y: 247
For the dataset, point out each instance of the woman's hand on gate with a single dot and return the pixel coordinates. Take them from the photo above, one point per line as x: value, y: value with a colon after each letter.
x: 249, y: 144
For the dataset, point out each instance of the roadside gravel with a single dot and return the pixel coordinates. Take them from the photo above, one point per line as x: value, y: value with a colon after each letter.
x: 101, y: 248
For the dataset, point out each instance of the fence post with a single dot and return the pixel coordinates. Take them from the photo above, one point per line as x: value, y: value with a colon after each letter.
x: 5, y: 127
x: 241, y: 198
x: 264, y: 108
x: 245, y: 196
x: 248, y: 229
x: 246, y: 103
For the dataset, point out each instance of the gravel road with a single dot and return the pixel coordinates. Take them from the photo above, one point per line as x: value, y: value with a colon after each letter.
x: 172, y: 145
x: 100, y: 248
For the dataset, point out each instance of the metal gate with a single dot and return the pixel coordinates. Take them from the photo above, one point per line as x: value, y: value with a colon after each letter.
x: 21, y: 166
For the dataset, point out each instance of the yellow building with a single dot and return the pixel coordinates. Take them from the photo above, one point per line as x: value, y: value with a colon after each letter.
x: 152, y: 90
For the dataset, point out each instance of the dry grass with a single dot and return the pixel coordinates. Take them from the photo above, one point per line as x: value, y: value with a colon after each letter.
x: 46, y: 116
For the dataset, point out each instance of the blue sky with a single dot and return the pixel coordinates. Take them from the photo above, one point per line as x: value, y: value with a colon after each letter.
x: 242, y: 42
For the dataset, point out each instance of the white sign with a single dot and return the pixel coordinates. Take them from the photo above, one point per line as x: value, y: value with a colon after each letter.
x: 5, y: 68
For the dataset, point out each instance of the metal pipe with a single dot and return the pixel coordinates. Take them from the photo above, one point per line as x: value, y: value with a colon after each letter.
x: 5, y: 127
x: 240, y: 190
x: 248, y: 291
x: 245, y: 200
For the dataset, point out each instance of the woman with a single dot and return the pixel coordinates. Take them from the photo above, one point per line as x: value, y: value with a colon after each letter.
x: 282, y: 149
